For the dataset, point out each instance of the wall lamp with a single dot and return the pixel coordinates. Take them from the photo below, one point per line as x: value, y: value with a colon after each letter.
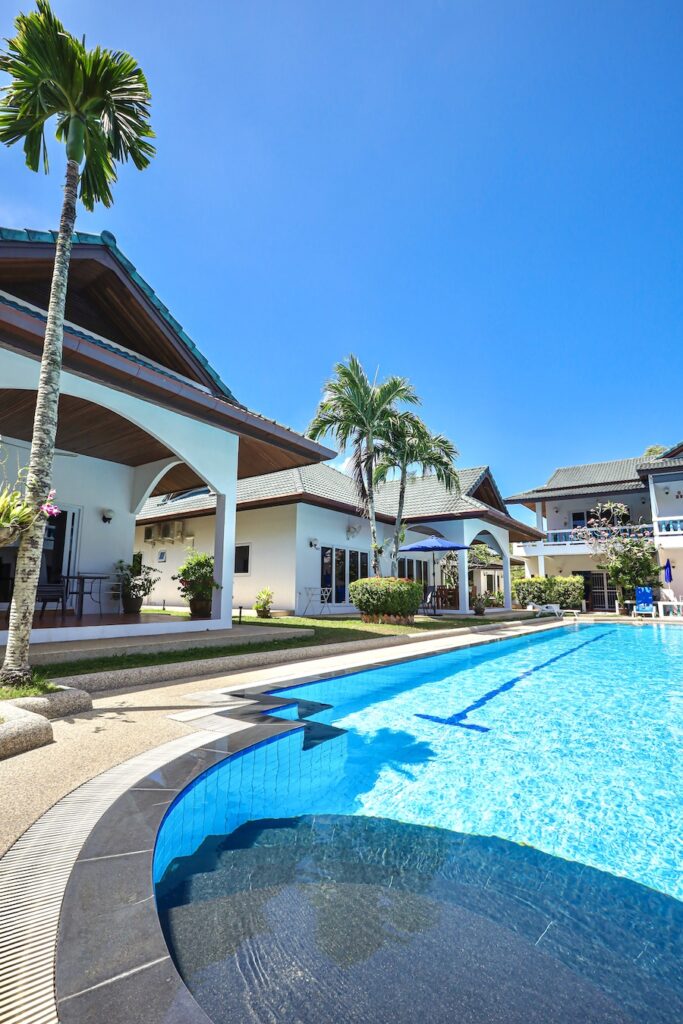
x: 107, y: 515
x: 313, y: 543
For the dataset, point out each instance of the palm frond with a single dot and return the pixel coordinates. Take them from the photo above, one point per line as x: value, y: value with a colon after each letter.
x: 53, y: 75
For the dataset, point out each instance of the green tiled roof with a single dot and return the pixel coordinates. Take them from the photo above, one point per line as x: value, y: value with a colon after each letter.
x: 599, y: 477
x: 425, y: 496
x: 108, y: 240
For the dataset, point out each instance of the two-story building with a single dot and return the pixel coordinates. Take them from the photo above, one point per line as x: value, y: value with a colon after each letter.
x: 650, y: 488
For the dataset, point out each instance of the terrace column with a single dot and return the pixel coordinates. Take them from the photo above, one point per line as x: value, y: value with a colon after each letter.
x: 224, y: 559
x: 463, y: 582
x: 507, y: 582
x: 540, y: 525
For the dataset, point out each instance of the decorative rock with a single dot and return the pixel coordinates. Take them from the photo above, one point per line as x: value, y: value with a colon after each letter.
x: 59, y: 704
x: 21, y: 730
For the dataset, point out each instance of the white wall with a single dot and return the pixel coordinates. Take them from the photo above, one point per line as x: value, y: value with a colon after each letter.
x: 88, y: 485
x: 638, y: 505
x: 270, y: 533
x: 670, y: 504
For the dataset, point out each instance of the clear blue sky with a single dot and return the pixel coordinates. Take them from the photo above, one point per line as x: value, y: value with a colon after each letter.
x: 484, y: 196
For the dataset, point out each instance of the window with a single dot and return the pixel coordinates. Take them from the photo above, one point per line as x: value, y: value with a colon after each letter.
x: 490, y: 583
x: 402, y: 568
x: 339, y: 568
x: 578, y: 520
x: 326, y: 567
x: 242, y: 552
x: 340, y: 576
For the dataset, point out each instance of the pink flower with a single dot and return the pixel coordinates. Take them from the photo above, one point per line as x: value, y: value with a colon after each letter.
x: 50, y: 510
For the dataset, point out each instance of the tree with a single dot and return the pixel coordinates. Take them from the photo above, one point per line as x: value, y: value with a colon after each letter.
x: 479, y: 555
x: 653, y: 451
x: 626, y: 553
x: 100, y: 101
x: 405, y: 443
x: 356, y: 412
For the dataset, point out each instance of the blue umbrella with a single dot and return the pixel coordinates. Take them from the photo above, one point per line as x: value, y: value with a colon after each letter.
x: 668, y: 575
x: 433, y: 544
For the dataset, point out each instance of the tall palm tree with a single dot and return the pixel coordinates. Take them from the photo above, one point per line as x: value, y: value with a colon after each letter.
x: 355, y: 411
x: 101, y: 102
x: 407, y: 442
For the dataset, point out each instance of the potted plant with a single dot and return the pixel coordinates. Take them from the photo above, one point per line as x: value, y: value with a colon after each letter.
x: 263, y: 603
x: 137, y: 582
x: 480, y: 603
x: 196, y: 583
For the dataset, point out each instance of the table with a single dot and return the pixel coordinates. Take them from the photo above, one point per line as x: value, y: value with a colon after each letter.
x: 323, y: 595
x: 81, y: 579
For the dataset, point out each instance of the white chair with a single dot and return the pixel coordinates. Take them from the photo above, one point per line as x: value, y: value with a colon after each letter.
x: 669, y: 600
x: 545, y: 609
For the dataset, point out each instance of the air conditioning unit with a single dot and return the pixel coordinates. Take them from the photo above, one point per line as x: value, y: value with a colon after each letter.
x: 166, y: 532
x: 178, y: 529
x: 151, y: 534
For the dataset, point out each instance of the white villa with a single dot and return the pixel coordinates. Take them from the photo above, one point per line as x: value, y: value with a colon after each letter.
x: 652, y: 490
x: 300, y: 533
x: 141, y: 413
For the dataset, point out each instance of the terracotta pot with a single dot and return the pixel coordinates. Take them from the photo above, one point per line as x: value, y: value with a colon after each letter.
x: 131, y: 605
x: 200, y: 607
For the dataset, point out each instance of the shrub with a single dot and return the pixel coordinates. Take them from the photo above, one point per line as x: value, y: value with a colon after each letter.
x: 567, y: 591
x: 386, y: 595
x: 533, y: 590
x: 195, y: 577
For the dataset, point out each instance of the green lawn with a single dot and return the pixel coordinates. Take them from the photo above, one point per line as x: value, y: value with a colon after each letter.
x: 38, y: 686
x: 325, y: 631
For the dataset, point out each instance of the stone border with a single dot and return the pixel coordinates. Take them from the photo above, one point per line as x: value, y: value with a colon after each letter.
x: 24, y: 721
x: 81, y: 949
x: 97, y: 682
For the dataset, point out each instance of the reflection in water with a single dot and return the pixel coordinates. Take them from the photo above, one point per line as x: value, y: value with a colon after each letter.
x: 335, y: 918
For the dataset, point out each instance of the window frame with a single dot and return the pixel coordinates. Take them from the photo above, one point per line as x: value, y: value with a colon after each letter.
x: 246, y: 545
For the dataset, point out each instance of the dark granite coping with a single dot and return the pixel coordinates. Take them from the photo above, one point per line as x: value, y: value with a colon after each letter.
x: 112, y: 962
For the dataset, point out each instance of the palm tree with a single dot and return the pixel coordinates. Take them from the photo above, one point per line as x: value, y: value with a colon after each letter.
x: 101, y: 102
x: 355, y: 411
x: 406, y: 443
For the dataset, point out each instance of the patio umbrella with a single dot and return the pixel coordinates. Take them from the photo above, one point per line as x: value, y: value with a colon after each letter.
x: 433, y: 544
x: 668, y: 575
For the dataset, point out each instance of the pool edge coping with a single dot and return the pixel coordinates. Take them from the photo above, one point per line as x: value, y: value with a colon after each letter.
x: 32, y: 996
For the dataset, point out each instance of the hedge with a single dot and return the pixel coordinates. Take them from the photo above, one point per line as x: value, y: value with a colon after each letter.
x: 567, y: 591
x: 386, y: 595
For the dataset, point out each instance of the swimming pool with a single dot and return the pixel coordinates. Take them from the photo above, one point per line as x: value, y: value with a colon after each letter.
x: 567, y: 742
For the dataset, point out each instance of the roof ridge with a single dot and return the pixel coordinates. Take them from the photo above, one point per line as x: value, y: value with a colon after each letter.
x: 108, y: 240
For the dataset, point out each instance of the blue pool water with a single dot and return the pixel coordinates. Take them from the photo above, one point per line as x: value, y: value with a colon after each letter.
x: 568, y: 743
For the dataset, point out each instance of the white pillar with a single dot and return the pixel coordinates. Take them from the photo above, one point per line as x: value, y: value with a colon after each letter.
x: 541, y: 565
x: 540, y: 523
x: 463, y: 582
x: 507, y: 582
x: 224, y: 560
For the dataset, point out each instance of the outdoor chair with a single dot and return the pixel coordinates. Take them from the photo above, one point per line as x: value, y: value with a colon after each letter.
x: 428, y: 606
x: 545, y: 609
x: 669, y: 599
x: 644, y: 603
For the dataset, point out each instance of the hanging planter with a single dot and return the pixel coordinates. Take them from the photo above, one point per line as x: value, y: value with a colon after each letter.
x: 8, y: 535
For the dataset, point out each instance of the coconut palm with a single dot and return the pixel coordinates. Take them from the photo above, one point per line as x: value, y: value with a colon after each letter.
x: 100, y: 101
x: 408, y: 444
x: 355, y: 411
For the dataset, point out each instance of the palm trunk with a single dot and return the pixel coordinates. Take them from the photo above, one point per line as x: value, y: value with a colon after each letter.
x: 376, y: 570
x: 396, y: 543
x: 16, y: 669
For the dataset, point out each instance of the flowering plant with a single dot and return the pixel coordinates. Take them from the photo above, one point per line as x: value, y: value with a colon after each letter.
x: 17, y: 514
x: 628, y: 554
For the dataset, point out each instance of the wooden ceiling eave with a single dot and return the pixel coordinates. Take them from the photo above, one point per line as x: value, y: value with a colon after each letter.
x: 113, y: 287
x: 272, y: 446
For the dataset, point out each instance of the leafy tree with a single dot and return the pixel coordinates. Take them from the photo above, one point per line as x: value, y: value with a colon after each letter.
x: 100, y: 101
x: 653, y: 451
x: 628, y: 556
x: 356, y: 413
x: 478, y: 556
x: 407, y: 442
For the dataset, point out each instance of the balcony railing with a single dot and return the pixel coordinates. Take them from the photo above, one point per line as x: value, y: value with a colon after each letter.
x: 670, y: 524
x: 578, y: 536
